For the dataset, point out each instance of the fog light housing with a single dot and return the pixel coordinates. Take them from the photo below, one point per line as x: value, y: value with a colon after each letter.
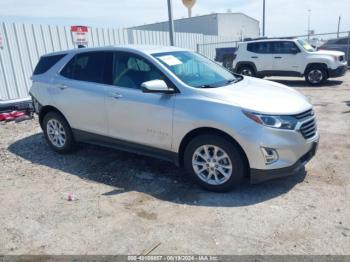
x: 270, y: 155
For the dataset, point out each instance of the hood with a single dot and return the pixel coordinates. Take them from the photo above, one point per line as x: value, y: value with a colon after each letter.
x: 261, y: 96
x: 330, y: 52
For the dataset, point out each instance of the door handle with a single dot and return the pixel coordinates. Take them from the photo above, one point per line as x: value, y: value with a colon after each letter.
x: 255, y: 57
x: 62, y: 87
x: 278, y: 57
x: 115, y: 95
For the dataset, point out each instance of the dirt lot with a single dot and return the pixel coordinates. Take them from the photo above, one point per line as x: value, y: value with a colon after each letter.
x: 129, y: 204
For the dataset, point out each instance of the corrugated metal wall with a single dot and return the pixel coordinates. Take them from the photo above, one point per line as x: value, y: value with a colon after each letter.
x: 23, y: 44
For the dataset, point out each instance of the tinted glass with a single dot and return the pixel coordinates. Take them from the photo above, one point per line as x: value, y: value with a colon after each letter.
x: 285, y: 47
x: 343, y: 41
x: 260, y: 48
x: 46, y: 62
x: 90, y: 67
x: 131, y: 71
x: 195, y: 70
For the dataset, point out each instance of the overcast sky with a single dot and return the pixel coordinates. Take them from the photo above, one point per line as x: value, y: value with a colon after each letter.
x: 284, y: 17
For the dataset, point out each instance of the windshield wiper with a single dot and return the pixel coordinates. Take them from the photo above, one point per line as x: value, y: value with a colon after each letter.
x: 208, y: 86
x: 234, y: 80
x: 231, y: 81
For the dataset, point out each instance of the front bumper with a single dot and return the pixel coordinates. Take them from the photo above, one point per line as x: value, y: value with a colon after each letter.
x: 340, y: 71
x: 261, y: 175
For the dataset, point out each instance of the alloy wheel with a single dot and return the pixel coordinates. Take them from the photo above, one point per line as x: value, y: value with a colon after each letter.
x: 246, y: 72
x: 56, y: 133
x: 315, y: 76
x: 212, y: 164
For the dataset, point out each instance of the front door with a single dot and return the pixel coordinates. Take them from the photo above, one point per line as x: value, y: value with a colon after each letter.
x: 134, y: 116
x: 287, y: 58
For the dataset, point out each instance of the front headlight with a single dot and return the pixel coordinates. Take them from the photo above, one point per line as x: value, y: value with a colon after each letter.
x: 280, y: 122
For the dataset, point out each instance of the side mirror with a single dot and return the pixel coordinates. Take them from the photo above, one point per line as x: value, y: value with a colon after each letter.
x: 156, y: 86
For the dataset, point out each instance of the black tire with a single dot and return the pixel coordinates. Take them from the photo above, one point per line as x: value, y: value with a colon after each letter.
x: 232, y: 151
x: 246, y: 70
x: 316, y: 75
x: 68, y: 145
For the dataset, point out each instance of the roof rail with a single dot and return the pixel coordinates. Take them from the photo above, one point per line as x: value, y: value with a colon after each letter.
x: 267, y: 38
x: 252, y: 39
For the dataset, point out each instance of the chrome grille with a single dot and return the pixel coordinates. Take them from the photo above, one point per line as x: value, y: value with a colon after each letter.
x: 306, y: 114
x: 308, y: 129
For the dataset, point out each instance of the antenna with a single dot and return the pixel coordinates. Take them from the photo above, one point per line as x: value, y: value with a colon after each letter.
x: 189, y: 4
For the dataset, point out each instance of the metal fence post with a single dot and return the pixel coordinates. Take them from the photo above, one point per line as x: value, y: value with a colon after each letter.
x: 348, y: 49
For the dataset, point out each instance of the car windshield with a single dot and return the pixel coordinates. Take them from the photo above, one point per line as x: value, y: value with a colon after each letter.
x: 307, y: 47
x: 196, y: 70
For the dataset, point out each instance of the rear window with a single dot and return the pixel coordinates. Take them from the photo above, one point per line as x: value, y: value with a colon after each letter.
x: 46, y: 62
x: 260, y: 47
x: 90, y: 67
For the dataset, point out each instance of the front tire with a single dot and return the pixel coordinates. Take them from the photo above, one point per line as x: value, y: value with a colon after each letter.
x: 214, y: 163
x: 58, y: 133
x: 316, y: 75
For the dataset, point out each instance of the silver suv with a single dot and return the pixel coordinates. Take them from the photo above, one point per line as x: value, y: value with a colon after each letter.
x: 176, y: 105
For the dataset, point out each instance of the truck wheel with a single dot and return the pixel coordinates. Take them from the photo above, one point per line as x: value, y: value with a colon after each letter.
x: 246, y: 70
x: 214, y: 163
x: 58, y: 132
x: 315, y: 75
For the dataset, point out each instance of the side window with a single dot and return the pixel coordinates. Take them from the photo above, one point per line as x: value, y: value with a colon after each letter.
x: 252, y: 47
x: 46, y: 62
x: 90, y: 67
x: 284, y: 47
x: 131, y: 71
x: 260, y: 47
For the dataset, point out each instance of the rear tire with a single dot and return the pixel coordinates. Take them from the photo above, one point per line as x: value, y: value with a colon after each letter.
x: 58, y: 133
x: 316, y: 75
x: 246, y: 70
x: 214, y: 163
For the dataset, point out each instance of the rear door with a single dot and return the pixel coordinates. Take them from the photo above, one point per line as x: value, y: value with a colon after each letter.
x: 260, y: 54
x: 79, y: 91
x: 287, y: 58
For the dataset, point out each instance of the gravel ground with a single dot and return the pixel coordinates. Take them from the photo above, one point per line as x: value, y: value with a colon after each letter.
x: 128, y: 204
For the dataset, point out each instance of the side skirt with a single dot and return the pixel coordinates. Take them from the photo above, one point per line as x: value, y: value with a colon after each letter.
x: 280, y: 73
x: 105, y: 141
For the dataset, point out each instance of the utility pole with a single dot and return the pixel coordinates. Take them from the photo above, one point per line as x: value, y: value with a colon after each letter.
x: 171, y: 23
x: 338, y: 26
x: 263, y: 33
x: 308, y: 25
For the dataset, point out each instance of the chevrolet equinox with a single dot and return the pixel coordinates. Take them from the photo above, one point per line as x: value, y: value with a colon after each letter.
x: 175, y: 105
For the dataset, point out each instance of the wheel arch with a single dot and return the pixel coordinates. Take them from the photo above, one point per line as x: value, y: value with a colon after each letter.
x: 316, y: 64
x: 46, y: 109
x: 205, y: 131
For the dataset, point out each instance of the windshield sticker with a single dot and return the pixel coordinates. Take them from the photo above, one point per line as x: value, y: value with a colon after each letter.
x: 170, y: 60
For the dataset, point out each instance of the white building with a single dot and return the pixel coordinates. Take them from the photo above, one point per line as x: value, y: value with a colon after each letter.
x: 237, y: 25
